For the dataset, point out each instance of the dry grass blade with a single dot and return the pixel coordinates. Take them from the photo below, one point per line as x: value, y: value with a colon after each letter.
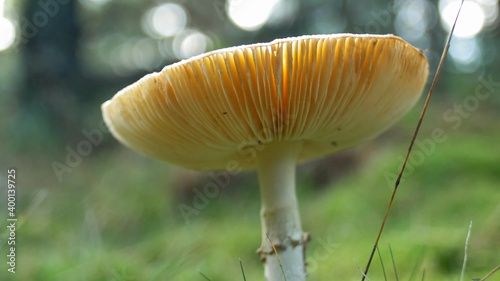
x: 412, y: 142
x: 277, y: 256
x: 491, y: 273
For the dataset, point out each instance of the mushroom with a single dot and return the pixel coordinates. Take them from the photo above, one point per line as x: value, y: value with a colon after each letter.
x: 269, y: 106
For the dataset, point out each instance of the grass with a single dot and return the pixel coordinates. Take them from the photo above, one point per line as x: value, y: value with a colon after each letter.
x: 116, y: 217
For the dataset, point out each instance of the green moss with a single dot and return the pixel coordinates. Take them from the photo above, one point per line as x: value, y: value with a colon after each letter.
x: 116, y: 217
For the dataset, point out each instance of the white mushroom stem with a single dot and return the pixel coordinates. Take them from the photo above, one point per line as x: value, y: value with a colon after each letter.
x: 280, y: 217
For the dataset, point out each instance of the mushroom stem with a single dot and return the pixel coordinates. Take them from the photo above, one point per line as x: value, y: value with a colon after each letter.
x: 280, y: 217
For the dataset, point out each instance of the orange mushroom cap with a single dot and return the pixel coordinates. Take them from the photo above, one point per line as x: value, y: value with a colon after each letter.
x: 328, y: 92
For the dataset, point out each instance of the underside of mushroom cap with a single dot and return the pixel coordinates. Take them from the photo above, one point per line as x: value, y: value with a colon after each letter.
x: 327, y: 92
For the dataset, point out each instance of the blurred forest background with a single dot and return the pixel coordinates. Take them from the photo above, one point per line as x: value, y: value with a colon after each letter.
x: 90, y: 209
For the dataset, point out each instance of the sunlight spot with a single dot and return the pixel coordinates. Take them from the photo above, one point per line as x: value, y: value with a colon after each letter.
x: 490, y: 9
x: 411, y: 21
x: 471, y: 20
x: 165, y: 20
x: 284, y: 11
x: 466, y: 53
x: 8, y: 32
x: 190, y: 43
x: 144, y: 54
x: 250, y: 15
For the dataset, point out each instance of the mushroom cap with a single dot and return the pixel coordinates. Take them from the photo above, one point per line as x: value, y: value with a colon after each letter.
x: 328, y: 92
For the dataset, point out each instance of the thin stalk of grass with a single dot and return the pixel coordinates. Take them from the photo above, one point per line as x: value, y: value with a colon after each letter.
x: 465, y: 252
x: 393, y: 263
x: 382, y: 263
x: 423, y: 275
x: 278, y: 257
x: 412, y: 142
x: 204, y: 276
x: 242, y: 271
x: 418, y: 264
x: 360, y: 270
